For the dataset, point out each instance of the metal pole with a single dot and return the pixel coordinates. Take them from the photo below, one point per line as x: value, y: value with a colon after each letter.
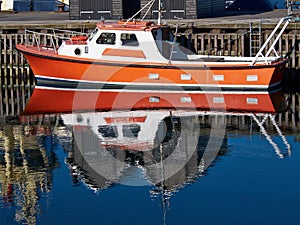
x: 289, y: 7
x: 159, y: 12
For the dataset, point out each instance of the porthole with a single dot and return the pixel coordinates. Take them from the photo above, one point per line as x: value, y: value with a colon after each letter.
x: 79, y: 118
x: 77, y: 51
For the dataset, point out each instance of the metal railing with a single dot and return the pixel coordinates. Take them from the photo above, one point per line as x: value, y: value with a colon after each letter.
x: 270, y: 38
x: 50, y: 38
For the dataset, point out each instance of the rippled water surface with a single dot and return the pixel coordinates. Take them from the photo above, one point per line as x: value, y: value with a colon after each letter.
x: 150, y: 168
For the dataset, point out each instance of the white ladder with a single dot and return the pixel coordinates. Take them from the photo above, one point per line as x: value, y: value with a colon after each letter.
x: 255, y: 37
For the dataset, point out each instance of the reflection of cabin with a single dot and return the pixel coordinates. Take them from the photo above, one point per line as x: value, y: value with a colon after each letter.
x: 119, y: 9
x: 88, y: 160
x: 179, y: 141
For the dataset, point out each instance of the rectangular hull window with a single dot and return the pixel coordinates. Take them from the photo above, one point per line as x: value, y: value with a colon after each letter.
x: 218, y: 100
x: 153, y: 76
x: 218, y: 77
x: 154, y: 99
x: 186, y: 99
x: 252, y: 78
x: 252, y: 101
x: 186, y: 76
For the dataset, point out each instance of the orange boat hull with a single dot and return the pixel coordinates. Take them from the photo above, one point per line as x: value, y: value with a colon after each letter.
x: 47, y: 65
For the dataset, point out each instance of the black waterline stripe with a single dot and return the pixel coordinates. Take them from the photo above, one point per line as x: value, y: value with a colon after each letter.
x: 51, y: 83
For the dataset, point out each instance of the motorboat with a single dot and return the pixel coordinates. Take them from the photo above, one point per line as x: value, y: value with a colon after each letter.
x: 138, y: 64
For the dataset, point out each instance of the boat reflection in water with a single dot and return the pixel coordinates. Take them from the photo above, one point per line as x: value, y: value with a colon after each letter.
x: 51, y: 101
x: 165, y: 149
x: 26, y: 166
x: 143, y: 147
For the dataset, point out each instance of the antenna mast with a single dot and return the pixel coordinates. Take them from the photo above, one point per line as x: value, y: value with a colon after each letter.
x: 159, y: 12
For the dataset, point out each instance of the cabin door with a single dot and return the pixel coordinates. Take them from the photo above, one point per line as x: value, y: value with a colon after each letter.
x: 94, y: 9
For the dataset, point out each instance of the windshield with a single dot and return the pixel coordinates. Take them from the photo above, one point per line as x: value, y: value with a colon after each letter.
x: 93, y: 34
x: 164, y: 40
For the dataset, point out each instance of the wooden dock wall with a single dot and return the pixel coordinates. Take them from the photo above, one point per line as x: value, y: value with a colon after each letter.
x: 16, y: 80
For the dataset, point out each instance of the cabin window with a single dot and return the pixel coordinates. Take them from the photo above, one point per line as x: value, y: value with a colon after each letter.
x: 163, y: 34
x: 131, y: 131
x: 129, y: 40
x: 93, y: 34
x: 107, y: 38
x: 108, y: 131
x: 164, y: 40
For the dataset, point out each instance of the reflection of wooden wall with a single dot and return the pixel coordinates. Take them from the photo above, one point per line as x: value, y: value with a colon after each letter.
x: 17, y: 174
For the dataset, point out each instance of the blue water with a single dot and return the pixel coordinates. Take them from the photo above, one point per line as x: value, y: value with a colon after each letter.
x: 248, y: 183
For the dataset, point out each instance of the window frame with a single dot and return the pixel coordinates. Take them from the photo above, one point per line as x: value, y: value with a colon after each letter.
x: 106, y: 42
x: 129, y: 42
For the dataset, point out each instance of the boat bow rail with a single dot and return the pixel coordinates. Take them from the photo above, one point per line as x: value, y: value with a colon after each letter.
x: 269, y: 45
x: 50, y: 38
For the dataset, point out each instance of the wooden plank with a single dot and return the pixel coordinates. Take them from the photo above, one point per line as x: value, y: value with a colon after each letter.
x: 242, y: 47
x: 5, y: 83
x: 16, y: 75
x: 11, y: 75
x: 202, y: 44
x: 22, y: 75
x: 195, y: 38
x: 209, y: 45
x: 222, y: 44
x: 229, y: 44
x: 215, y: 47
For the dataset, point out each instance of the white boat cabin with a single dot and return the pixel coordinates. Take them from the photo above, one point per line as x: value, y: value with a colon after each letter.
x: 131, y: 41
x: 140, y: 41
